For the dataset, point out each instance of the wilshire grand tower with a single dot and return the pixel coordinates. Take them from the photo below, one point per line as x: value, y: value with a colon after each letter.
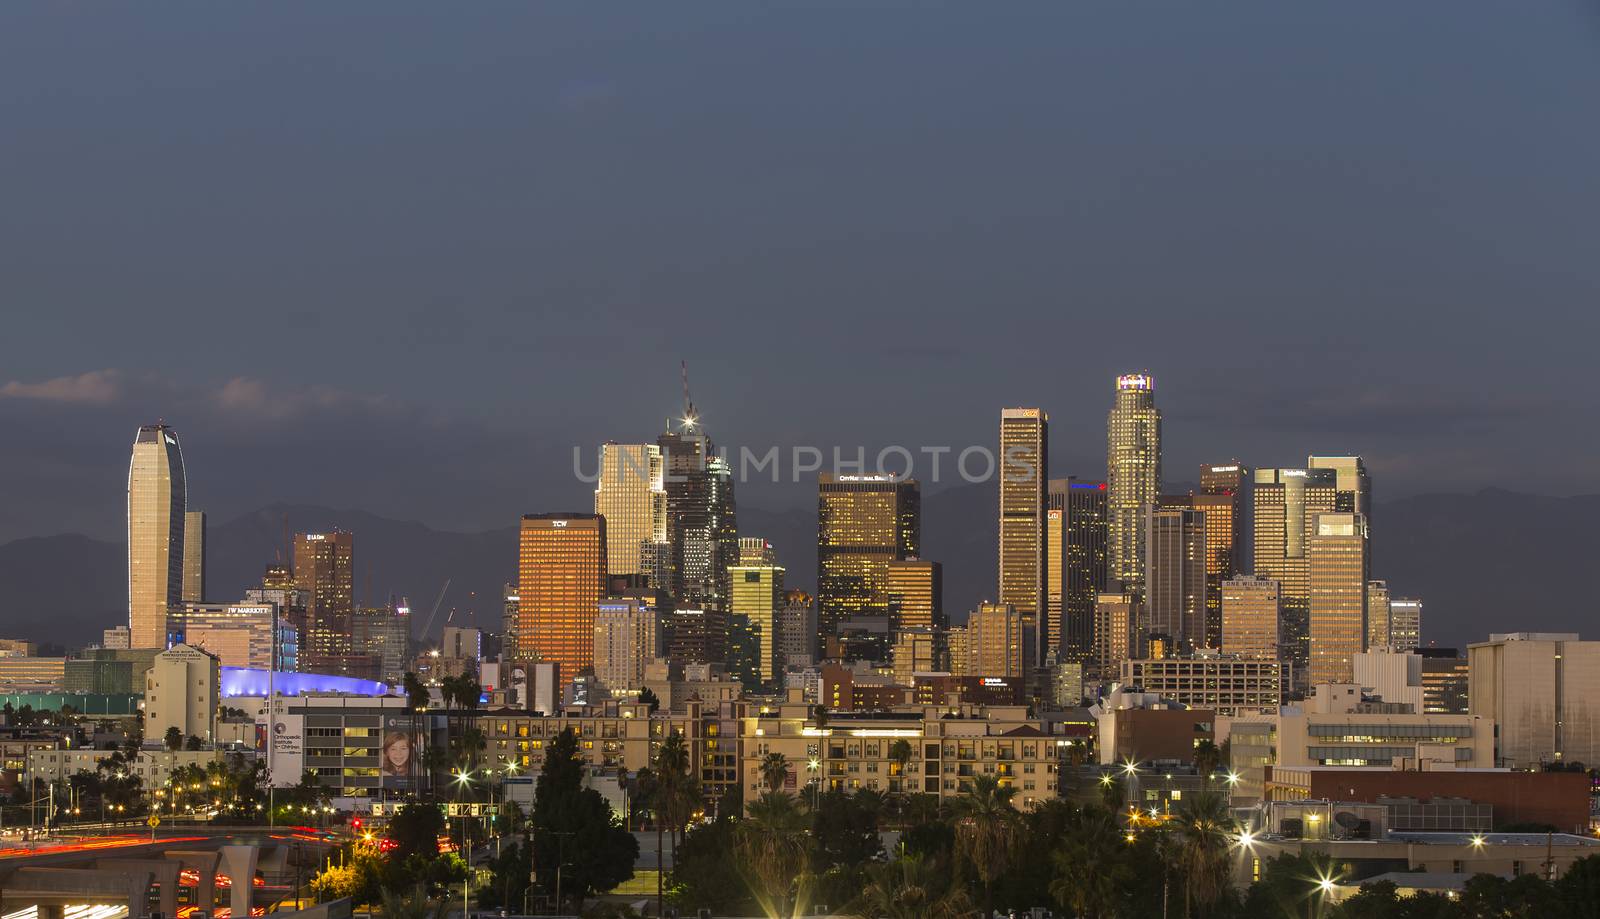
x: 157, y: 502
x: 1133, y: 476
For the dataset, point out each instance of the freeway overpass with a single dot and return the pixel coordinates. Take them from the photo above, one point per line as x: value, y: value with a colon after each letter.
x: 178, y: 874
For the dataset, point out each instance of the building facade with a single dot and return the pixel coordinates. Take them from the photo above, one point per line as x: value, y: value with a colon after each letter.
x: 1250, y: 618
x: 157, y: 502
x: 182, y: 690
x: 916, y: 594
x: 632, y: 496
x: 1075, y: 565
x: 1284, y: 510
x: 194, y: 557
x: 1225, y: 685
x: 756, y: 595
x: 1024, y: 538
x: 995, y: 641
x: 1337, y: 605
x: 561, y: 580
x: 1175, y: 576
x: 324, y: 568
x: 864, y: 522
x: 1133, y: 476
x: 626, y: 640
x: 1539, y: 687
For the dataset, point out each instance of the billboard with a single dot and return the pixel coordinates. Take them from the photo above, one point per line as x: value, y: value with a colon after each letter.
x: 400, y: 753
x: 287, y: 754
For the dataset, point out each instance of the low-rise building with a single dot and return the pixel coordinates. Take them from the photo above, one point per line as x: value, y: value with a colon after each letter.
x: 949, y: 747
x: 1558, y: 799
x: 1338, y: 727
x: 1227, y: 685
x: 1136, y: 727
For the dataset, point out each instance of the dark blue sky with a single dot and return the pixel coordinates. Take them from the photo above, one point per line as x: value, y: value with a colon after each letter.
x: 404, y: 256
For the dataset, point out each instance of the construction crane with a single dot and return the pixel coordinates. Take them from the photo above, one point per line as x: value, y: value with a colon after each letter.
x: 436, y: 603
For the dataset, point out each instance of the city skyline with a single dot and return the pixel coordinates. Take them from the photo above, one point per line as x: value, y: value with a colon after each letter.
x: 1385, y: 272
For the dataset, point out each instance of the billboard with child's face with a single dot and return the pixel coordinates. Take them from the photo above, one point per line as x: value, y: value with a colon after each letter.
x: 400, y: 756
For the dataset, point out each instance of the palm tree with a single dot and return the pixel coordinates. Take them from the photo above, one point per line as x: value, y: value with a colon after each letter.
x: 771, y: 844
x: 1090, y: 867
x: 1206, y: 759
x: 1204, y: 829
x: 900, y: 753
x: 774, y: 771
x: 986, y: 830
x: 911, y: 887
x: 674, y: 799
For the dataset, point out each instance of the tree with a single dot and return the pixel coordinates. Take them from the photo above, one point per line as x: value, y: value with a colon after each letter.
x: 508, y: 878
x: 774, y: 771
x: 649, y: 698
x: 193, y: 743
x: 675, y: 796
x: 576, y: 838
x: 173, y: 738
x: 771, y: 844
x: 705, y: 872
x: 415, y: 830
x: 986, y: 831
x: 1090, y: 866
x: 911, y: 887
x: 1204, y: 832
x: 1579, y: 888
x: 844, y: 832
x: 1206, y: 759
x: 412, y: 902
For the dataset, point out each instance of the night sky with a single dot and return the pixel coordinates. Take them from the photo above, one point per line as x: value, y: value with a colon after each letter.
x: 403, y: 257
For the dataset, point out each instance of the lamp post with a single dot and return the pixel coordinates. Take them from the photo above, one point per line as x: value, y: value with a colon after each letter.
x: 464, y: 780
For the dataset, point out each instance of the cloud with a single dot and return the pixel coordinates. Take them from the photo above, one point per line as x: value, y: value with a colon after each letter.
x: 256, y: 400
x: 95, y: 387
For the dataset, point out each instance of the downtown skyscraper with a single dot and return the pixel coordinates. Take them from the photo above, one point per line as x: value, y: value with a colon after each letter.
x: 157, y: 502
x: 702, y: 532
x: 1133, y: 476
x: 1175, y: 577
x: 864, y: 522
x: 561, y: 569
x: 1075, y: 565
x: 632, y: 496
x: 1337, y: 606
x: 1024, y: 470
x: 1286, y: 503
x: 324, y: 567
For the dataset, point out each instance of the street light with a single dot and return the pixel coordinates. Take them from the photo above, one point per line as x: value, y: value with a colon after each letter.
x: 1478, y: 841
x: 1233, y: 778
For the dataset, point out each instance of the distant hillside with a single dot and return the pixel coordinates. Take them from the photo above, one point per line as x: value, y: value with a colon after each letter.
x: 1494, y: 561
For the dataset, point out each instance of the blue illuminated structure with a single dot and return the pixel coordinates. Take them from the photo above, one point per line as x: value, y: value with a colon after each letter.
x: 245, y: 681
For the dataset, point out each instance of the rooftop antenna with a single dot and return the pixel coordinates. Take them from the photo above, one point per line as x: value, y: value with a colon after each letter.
x: 689, y: 417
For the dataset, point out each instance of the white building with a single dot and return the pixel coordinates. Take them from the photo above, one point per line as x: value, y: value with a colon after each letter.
x: 1394, y: 676
x: 181, y: 691
x: 1540, y: 687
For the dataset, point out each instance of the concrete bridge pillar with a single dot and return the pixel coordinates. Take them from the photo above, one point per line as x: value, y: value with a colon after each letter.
x: 239, y: 863
x: 164, y: 871
x: 204, y: 863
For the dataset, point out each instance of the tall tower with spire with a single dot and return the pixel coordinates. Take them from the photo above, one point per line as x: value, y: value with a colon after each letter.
x: 702, y: 537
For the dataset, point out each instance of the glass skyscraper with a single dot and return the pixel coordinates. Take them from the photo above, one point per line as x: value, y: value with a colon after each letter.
x: 157, y: 501
x: 1133, y: 476
x: 1024, y: 468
